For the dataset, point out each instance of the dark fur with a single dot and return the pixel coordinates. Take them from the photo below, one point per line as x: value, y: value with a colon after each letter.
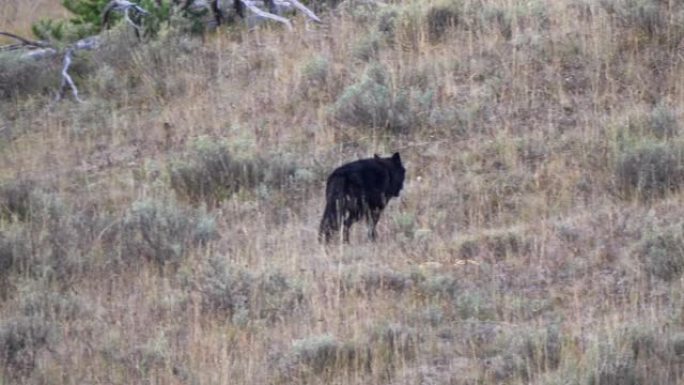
x: 360, y: 190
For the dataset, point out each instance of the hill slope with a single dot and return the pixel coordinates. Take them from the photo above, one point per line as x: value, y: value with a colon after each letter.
x: 164, y: 231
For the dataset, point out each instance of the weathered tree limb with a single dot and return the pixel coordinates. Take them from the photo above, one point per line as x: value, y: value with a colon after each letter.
x: 66, y: 78
x: 305, y: 10
x: 37, y: 50
x: 125, y: 7
x: 23, y: 42
x: 266, y: 15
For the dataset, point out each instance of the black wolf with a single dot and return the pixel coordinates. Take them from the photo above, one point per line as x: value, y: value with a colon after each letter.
x: 359, y: 190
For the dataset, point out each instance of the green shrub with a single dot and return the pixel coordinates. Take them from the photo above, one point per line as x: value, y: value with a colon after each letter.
x: 439, y: 286
x: 615, y: 369
x: 162, y: 232
x: 393, y: 342
x: 211, y: 173
x: 662, y: 122
x: 650, y: 169
x: 15, y: 202
x: 314, y: 78
x: 371, y: 102
x: 21, y: 77
x: 642, y: 14
x: 541, y: 347
x: 315, y: 71
x: 21, y: 341
x: 373, y: 279
x: 367, y: 48
x: 475, y: 305
x: 244, y: 296
x: 317, y: 353
x: 52, y: 244
x: 87, y: 19
x: 662, y: 254
x: 442, y: 17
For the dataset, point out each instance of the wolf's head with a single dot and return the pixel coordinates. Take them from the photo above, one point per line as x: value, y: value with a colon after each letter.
x: 397, y: 173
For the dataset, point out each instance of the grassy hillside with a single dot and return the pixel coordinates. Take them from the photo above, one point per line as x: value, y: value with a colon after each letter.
x: 164, y: 231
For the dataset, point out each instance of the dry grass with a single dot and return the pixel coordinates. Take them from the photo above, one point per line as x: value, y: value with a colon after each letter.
x: 17, y: 16
x: 521, y: 250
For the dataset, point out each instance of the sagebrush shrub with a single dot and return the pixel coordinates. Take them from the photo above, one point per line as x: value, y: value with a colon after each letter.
x: 662, y: 253
x: 662, y: 122
x: 15, y: 199
x: 440, y: 18
x: 650, y: 169
x: 20, y: 77
x: 371, y: 102
x: 317, y: 352
x: 211, y: 173
x: 657, y: 20
x: 22, y: 339
x: 162, y: 232
x: 244, y: 295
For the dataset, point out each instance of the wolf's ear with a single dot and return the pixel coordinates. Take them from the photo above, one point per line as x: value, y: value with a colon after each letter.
x: 376, y: 156
x: 396, y: 158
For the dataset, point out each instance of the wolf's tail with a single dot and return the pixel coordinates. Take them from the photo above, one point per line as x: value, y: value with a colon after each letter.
x: 330, y: 223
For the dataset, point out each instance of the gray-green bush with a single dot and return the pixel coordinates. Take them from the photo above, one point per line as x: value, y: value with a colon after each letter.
x: 372, y: 102
x: 650, y: 169
x: 210, y: 173
x: 162, y: 232
x: 243, y: 295
x: 654, y: 18
x: 21, y: 77
x: 440, y: 18
x: 662, y: 253
x: 22, y: 339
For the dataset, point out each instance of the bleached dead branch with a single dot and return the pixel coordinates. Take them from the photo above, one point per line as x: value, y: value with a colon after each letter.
x: 37, y: 50
x: 66, y: 78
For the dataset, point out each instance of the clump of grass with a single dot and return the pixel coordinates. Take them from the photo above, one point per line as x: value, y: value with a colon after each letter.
x: 615, y: 369
x: 662, y: 253
x: 54, y: 243
x: 650, y: 169
x: 392, y: 342
x: 541, y: 348
x: 210, y: 173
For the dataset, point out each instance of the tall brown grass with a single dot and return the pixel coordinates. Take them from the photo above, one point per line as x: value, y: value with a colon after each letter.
x: 534, y: 241
x: 17, y: 16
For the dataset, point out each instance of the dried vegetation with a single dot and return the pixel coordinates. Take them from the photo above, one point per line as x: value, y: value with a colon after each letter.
x: 164, y: 231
